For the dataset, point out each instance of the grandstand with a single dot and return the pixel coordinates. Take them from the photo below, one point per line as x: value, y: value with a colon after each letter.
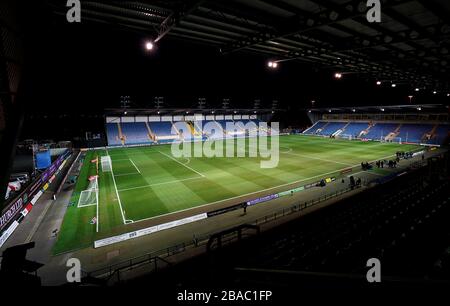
x: 420, y: 133
x: 123, y: 133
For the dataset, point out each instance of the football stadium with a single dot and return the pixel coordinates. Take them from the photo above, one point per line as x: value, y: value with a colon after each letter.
x: 242, y: 147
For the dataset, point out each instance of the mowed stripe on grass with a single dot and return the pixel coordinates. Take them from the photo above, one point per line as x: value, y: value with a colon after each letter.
x: 151, y: 182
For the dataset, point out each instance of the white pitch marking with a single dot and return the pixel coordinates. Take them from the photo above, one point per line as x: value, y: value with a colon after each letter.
x: 162, y: 183
x: 202, y: 175
x: 258, y: 191
x: 124, y: 174
x: 312, y: 157
x: 134, y: 165
x: 97, y: 222
x: 117, y: 194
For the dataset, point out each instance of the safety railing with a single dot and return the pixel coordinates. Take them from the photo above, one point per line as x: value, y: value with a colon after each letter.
x: 152, y: 259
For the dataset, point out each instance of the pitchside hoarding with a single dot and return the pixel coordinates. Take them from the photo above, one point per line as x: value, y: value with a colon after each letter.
x: 15, y: 207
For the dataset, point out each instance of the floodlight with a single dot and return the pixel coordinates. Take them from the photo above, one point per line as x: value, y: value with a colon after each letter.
x: 272, y: 64
x: 149, y: 45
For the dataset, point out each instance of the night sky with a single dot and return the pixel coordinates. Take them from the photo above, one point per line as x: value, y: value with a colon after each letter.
x: 84, y: 68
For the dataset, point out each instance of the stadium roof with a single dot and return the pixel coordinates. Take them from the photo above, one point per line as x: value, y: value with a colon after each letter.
x: 187, y: 111
x: 411, y: 45
x: 429, y: 108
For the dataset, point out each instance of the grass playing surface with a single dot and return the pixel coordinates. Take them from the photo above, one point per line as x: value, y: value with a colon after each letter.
x: 147, y: 182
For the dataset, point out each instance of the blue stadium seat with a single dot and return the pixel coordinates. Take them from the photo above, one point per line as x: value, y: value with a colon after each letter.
x: 331, y: 128
x: 441, y: 134
x: 112, y: 134
x: 315, y: 127
x: 135, y: 133
x: 414, y: 132
x: 380, y: 130
x: 161, y: 128
x: 355, y: 128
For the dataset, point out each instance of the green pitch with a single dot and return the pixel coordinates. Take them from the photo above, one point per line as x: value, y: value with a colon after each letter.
x: 147, y: 182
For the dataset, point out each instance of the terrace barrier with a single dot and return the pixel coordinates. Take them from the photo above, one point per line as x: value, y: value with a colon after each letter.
x: 114, y: 273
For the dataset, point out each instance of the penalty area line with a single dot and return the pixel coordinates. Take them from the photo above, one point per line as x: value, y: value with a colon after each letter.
x: 255, y: 192
x: 135, y: 166
x: 117, y: 194
x: 162, y: 183
x: 124, y: 174
x: 184, y: 165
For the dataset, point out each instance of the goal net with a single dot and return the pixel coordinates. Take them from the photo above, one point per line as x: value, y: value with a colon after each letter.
x: 392, y: 140
x: 106, y: 163
x: 346, y: 136
x: 89, y: 196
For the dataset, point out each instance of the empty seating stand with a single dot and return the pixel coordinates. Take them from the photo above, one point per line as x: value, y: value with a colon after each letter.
x: 331, y: 128
x: 355, y: 128
x: 441, y: 134
x: 135, y: 133
x: 406, y: 217
x: 112, y: 133
x: 414, y: 132
x: 380, y: 130
x: 425, y: 133
x: 313, y: 129
x: 164, y: 131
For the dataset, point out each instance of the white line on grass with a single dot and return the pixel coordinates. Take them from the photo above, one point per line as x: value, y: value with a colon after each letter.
x: 123, y: 174
x: 97, y: 223
x: 134, y: 165
x: 162, y: 183
x: 117, y: 194
x: 312, y: 157
x: 259, y: 191
x: 202, y: 175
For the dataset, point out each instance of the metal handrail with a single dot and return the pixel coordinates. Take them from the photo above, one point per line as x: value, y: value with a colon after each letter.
x: 109, y: 271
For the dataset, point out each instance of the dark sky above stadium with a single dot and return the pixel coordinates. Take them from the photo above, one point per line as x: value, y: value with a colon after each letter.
x: 86, y: 68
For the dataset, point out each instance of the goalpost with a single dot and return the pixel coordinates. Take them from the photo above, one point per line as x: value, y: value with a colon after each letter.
x: 89, y: 196
x: 393, y: 140
x: 345, y: 136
